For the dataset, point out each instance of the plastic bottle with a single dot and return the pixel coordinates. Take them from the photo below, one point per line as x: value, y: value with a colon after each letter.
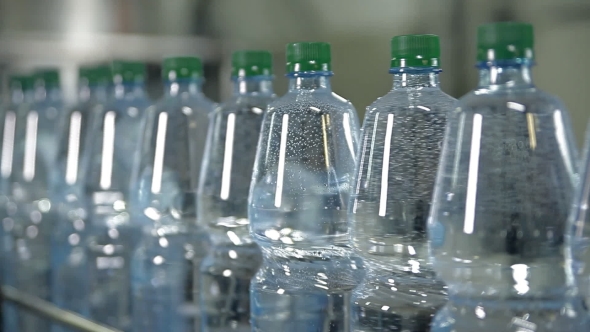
x: 21, y: 97
x: 164, y: 277
x: 299, y: 198
x: 34, y: 216
x: 400, y: 147
x: 113, y: 236
x: 579, y: 233
x: 502, y: 196
x: 223, y: 194
x: 69, y: 288
x: 21, y: 88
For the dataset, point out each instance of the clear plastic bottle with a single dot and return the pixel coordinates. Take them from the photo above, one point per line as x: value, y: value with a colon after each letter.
x: 34, y: 159
x: 21, y: 88
x: 579, y: 231
x: 502, y: 197
x: 299, y: 197
x: 69, y: 288
x: 164, y: 277
x: 21, y: 97
x: 223, y: 194
x: 400, y: 147
x: 114, y: 141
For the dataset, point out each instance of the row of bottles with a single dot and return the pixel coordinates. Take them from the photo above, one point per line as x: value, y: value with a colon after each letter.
x: 281, y: 214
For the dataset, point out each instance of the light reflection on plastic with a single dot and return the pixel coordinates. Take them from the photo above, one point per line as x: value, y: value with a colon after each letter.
x: 8, y: 144
x: 30, y: 146
x: 108, y: 149
x: 468, y: 225
x: 281, y: 170
x: 228, y: 156
x: 347, y: 133
x: 159, y: 153
x: 73, y: 148
x: 385, y: 169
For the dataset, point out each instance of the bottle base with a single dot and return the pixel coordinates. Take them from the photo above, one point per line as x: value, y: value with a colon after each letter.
x: 396, y: 303
x: 526, y: 315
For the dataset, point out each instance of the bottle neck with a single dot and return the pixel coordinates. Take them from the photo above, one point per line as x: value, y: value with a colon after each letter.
x: 256, y: 85
x: 43, y: 94
x: 92, y: 92
x: 191, y: 87
x: 309, y: 83
x: 508, y: 74
x: 416, y: 79
x: 129, y: 90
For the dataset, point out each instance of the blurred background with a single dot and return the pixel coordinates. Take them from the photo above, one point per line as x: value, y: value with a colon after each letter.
x: 68, y: 33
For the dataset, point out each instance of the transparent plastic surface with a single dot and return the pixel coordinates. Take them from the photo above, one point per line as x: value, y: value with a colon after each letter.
x: 8, y: 116
x: 69, y: 288
x: 223, y: 205
x: 401, y: 141
x: 164, y: 271
x: 20, y: 100
x: 500, y: 208
x: 300, y: 191
x: 34, y: 212
x: 579, y: 222
x: 112, y: 236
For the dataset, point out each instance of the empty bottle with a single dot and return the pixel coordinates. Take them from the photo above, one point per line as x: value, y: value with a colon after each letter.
x: 233, y: 258
x: 400, y: 147
x: 34, y: 216
x: 164, y: 278
x: 114, y: 138
x: 21, y: 96
x: 299, y: 198
x: 69, y: 288
x: 502, y: 196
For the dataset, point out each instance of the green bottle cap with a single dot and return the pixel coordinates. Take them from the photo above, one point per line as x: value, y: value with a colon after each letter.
x: 48, y: 78
x: 308, y: 56
x: 127, y: 71
x: 21, y: 82
x: 95, y: 75
x: 251, y: 63
x: 505, y: 41
x: 415, y: 51
x: 185, y: 67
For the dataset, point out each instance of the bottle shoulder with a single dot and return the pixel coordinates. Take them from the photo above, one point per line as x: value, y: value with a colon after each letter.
x: 48, y: 103
x: 531, y: 100
x: 417, y: 100
x: 123, y: 105
x: 199, y: 103
x: 249, y: 103
x: 326, y: 101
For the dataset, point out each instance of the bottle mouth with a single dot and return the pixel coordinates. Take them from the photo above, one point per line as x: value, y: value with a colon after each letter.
x: 311, y: 73
x: 414, y: 70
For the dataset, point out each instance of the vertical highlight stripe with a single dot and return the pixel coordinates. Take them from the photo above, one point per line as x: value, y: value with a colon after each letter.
x: 228, y: 156
x: 108, y: 150
x: 73, y: 148
x: 159, y: 154
x: 468, y: 225
x: 348, y: 134
x: 30, y: 146
x: 8, y: 144
x: 385, y: 169
x: 281, y: 170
